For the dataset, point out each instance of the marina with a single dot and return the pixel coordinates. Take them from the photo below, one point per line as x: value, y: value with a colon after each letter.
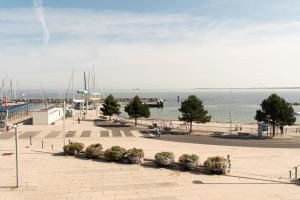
x: 149, y: 100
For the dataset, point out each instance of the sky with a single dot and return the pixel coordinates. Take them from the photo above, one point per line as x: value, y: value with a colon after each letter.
x: 150, y: 44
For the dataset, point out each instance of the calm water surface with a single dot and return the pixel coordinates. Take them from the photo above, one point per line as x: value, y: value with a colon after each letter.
x: 219, y: 102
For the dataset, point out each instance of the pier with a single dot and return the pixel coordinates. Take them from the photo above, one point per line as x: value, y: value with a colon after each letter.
x: 151, y: 102
x: 43, y: 100
x: 13, y: 114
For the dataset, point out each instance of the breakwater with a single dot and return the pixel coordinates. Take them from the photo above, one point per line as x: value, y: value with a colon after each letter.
x: 151, y: 102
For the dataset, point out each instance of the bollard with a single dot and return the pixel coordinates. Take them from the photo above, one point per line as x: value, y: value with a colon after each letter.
x: 30, y: 141
x: 69, y: 141
x: 290, y: 172
x: 52, y: 146
x: 296, y: 172
x: 42, y: 144
x: 229, y: 163
x: 228, y: 158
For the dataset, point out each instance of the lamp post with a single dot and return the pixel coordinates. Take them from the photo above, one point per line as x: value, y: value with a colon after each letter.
x: 64, y: 122
x: 230, y: 131
x: 17, y: 152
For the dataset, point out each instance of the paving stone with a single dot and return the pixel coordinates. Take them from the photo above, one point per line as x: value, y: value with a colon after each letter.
x: 28, y: 134
x: 104, y: 133
x: 6, y: 135
x: 128, y: 133
x: 53, y: 134
x: 47, y: 176
x: 70, y: 133
x: 86, y: 133
x: 116, y: 133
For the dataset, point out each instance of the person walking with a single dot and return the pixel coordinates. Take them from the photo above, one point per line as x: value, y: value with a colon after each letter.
x: 157, y: 132
x: 78, y: 120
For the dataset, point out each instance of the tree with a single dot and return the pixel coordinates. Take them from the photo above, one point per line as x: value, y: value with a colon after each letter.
x: 276, y: 112
x: 110, y: 106
x: 136, y: 109
x: 192, y: 110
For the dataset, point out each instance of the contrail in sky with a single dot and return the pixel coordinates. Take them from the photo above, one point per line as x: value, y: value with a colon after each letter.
x: 39, y: 9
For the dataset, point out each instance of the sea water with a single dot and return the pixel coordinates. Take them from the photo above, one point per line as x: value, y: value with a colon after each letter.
x: 242, y: 103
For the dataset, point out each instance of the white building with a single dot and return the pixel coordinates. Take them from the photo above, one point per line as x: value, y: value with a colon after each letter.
x: 47, y: 116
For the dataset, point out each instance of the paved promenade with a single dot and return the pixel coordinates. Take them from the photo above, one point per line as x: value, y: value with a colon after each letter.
x: 257, y: 173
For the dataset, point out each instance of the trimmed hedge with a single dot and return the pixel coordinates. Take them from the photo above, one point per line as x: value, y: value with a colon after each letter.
x: 213, y: 165
x: 135, y: 155
x: 216, y: 165
x: 164, y: 158
x: 189, y: 161
x: 73, y: 148
x: 115, y: 153
x: 94, y: 151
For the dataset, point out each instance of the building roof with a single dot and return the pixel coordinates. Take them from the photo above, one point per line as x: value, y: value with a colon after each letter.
x: 12, y: 108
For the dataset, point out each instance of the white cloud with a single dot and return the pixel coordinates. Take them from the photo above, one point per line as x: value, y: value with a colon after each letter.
x: 150, y: 50
x: 38, y: 5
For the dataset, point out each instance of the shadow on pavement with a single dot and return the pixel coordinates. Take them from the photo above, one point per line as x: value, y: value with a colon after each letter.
x: 237, y: 137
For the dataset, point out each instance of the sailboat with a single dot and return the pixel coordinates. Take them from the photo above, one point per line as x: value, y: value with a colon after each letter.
x: 89, y: 99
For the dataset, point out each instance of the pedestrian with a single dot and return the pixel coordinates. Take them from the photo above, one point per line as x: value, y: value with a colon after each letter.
x: 78, y: 120
x: 157, y: 132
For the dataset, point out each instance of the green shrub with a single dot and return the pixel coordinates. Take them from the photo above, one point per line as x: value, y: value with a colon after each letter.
x: 115, y: 153
x: 164, y: 158
x: 216, y: 165
x: 73, y: 148
x: 135, y: 155
x: 93, y: 151
x: 189, y: 161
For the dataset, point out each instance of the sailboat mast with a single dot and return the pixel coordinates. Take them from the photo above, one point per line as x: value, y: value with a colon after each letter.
x: 86, y: 100
x: 72, y: 84
x: 84, y: 79
x: 89, y: 84
x: 16, y: 89
x: 94, y: 80
x: 11, y: 90
x: 2, y: 88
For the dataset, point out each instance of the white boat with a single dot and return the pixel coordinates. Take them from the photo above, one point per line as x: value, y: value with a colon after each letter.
x: 297, y: 113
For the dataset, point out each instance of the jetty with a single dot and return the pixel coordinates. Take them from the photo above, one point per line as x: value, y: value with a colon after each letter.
x: 45, y: 100
x: 151, y: 102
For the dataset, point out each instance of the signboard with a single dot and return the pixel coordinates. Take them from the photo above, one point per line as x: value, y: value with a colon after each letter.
x: 264, y: 127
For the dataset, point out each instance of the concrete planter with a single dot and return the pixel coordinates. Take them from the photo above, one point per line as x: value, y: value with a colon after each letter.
x: 190, y: 165
x: 165, y: 162
x: 216, y: 170
x: 135, y: 159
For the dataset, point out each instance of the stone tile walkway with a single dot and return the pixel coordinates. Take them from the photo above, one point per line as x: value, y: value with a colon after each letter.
x: 257, y: 173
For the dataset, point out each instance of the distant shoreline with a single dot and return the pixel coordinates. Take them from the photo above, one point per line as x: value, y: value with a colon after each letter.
x: 250, y: 88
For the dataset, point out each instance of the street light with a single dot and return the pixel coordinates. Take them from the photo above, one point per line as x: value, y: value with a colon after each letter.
x: 64, y: 122
x: 17, y: 151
